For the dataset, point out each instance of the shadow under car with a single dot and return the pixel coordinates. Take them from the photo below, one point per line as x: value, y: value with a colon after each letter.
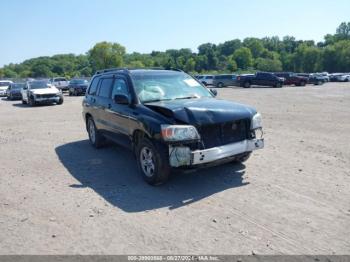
x: 113, y: 174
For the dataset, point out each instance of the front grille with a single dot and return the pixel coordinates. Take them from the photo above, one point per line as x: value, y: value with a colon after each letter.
x: 46, y: 96
x: 225, y: 133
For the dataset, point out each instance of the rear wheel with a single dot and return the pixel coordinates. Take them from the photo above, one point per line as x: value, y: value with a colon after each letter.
x: 95, y: 137
x: 302, y: 83
x: 152, y: 163
x: 278, y: 85
x: 220, y: 85
x: 246, y: 85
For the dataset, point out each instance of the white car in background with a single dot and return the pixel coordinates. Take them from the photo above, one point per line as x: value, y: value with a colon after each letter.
x: 4, y: 84
x: 60, y: 83
x: 206, y: 80
x: 39, y: 92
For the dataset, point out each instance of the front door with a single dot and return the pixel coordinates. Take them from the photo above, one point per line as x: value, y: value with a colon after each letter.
x: 119, y: 115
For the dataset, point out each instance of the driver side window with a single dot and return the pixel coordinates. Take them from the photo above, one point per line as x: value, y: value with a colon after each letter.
x: 120, y: 87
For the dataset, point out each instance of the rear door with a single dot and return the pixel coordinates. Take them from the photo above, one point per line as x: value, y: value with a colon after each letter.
x: 90, y: 100
x: 103, y: 103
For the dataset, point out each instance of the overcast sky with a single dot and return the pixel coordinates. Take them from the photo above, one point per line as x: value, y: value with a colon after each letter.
x: 35, y: 28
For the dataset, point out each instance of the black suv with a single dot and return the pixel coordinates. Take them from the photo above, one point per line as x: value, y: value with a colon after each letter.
x: 169, y: 120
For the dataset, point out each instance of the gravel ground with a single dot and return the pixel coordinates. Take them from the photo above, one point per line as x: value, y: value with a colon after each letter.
x: 58, y: 195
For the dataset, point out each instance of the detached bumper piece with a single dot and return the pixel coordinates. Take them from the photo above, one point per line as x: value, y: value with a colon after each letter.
x: 183, y: 156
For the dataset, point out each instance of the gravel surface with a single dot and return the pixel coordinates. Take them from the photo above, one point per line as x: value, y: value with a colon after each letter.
x: 58, y: 195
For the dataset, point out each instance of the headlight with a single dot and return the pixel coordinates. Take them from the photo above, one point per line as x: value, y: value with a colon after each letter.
x: 179, y: 132
x: 256, y: 121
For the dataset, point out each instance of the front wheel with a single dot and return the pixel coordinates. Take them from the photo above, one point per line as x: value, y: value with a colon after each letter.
x: 31, y: 101
x: 243, y: 157
x: 153, y: 165
x: 24, y: 102
x: 60, y: 101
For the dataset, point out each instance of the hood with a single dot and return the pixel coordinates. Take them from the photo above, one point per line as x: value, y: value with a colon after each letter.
x: 202, y: 111
x: 44, y: 91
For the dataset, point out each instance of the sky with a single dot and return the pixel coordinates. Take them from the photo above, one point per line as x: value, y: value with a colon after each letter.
x: 32, y: 28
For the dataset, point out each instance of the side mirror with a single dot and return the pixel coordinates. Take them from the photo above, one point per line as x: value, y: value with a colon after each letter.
x: 213, y: 91
x: 121, y: 99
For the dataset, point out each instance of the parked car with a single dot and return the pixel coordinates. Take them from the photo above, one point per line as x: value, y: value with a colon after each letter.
x: 4, y: 84
x: 261, y: 79
x: 292, y: 78
x: 168, y: 120
x: 13, y: 92
x: 317, y: 79
x: 340, y: 77
x: 60, y: 83
x: 206, y: 80
x: 41, y: 91
x: 77, y: 87
x: 224, y: 80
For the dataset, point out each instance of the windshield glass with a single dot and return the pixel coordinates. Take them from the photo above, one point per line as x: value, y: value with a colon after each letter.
x: 160, y: 86
x: 17, y: 86
x: 38, y: 84
x: 5, y: 83
x: 79, y: 81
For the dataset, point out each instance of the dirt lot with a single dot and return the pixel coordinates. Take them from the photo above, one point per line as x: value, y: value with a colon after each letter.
x: 59, y: 195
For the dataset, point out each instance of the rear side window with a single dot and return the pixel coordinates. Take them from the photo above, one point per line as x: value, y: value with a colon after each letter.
x: 93, y: 86
x: 105, y: 87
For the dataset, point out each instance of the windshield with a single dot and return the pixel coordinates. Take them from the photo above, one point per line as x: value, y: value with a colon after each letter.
x: 79, y: 81
x: 16, y: 86
x: 5, y: 83
x: 160, y: 86
x: 38, y: 84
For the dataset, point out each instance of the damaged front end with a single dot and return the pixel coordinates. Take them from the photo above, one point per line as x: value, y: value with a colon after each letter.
x: 215, y: 142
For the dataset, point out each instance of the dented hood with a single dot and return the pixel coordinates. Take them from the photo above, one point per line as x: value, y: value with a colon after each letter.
x: 202, y: 111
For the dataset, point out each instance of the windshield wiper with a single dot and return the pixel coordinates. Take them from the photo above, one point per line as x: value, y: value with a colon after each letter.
x: 156, y: 100
x: 187, y: 97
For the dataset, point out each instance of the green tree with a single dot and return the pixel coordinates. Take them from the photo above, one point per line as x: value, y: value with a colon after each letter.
x: 268, y: 65
x: 106, y: 55
x: 190, y: 65
x: 255, y: 45
x: 243, y: 58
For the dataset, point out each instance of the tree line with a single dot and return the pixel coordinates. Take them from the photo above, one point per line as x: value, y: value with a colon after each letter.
x: 252, y: 54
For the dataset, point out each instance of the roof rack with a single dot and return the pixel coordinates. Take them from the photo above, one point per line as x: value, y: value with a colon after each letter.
x: 111, y: 70
x: 138, y: 68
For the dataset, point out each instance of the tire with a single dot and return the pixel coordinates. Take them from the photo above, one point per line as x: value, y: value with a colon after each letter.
x: 60, y: 102
x: 318, y: 83
x: 220, y: 85
x: 243, y: 157
x: 152, y: 162
x: 278, y: 85
x: 70, y: 93
x: 31, y: 101
x: 96, y: 138
x: 302, y: 83
x: 24, y: 102
x: 246, y: 85
x: 204, y: 83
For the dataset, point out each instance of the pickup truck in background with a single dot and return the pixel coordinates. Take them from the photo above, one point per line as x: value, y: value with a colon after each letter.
x: 60, y: 83
x: 292, y: 78
x: 260, y: 79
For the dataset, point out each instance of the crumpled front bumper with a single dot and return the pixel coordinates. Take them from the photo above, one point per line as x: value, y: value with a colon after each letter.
x: 183, y: 156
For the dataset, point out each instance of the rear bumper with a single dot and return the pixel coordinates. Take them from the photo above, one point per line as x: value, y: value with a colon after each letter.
x: 183, y: 157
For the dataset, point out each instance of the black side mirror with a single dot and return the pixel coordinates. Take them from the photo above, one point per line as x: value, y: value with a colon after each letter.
x: 213, y: 91
x: 121, y: 99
